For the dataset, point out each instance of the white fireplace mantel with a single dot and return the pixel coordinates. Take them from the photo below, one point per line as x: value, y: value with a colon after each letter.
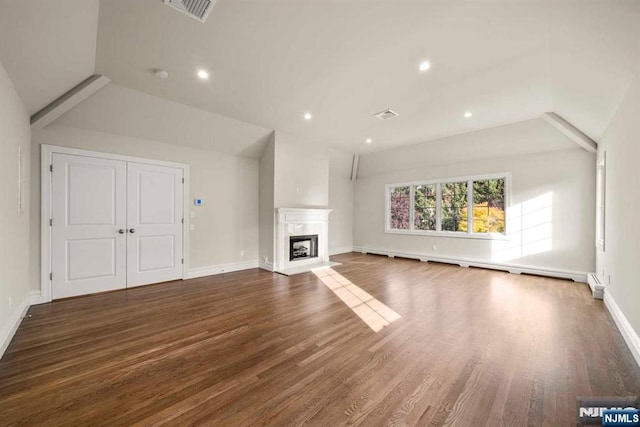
x: 301, y: 222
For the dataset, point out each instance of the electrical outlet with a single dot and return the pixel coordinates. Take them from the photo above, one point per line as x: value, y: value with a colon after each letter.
x: 192, y: 227
x: 241, y: 253
x: 265, y: 259
x: 10, y: 302
x: 434, y: 247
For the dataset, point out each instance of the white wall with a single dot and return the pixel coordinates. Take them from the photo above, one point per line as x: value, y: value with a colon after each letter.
x: 119, y: 110
x: 531, y: 136
x: 296, y: 174
x: 301, y: 176
x: 341, y: 192
x: 619, y: 265
x: 14, y: 226
x: 267, y: 212
x: 225, y: 225
x: 556, y: 183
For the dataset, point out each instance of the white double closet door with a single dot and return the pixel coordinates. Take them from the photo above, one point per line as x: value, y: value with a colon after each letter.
x: 115, y: 224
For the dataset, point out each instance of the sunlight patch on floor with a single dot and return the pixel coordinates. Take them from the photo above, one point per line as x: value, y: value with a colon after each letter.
x: 374, y: 313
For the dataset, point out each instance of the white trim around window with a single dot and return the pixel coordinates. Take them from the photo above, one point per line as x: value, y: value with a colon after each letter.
x: 469, y: 234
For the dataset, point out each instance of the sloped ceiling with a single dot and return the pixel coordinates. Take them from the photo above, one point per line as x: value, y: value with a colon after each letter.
x: 122, y: 111
x: 47, y: 47
x: 594, y: 54
x: 342, y: 60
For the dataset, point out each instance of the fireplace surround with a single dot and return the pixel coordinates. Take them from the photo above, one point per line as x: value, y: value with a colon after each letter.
x: 294, y: 225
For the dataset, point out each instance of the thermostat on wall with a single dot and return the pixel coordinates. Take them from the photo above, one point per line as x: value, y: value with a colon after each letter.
x: 198, y: 202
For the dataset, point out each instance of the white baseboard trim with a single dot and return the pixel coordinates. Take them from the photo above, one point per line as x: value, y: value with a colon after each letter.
x: 577, y: 276
x: 342, y: 250
x: 221, y: 268
x: 266, y: 266
x: 630, y: 336
x: 35, y: 298
x: 10, y: 328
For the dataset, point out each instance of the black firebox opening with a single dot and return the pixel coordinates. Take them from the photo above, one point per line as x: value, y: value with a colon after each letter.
x: 303, y: 247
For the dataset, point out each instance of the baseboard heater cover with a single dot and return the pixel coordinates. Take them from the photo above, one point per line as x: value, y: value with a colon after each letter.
x: 597, y: 287
x: 576, y: 276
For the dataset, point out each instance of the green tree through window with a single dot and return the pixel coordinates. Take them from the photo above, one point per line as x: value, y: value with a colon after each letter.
x: 442, y: 206
x: 424, y: 213
x: 488, y: 206
x: 454, y: 202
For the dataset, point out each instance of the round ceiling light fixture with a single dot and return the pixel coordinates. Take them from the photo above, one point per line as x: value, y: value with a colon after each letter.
x: 203, y: 74
x: 307, y: 116
x: 368, y: 140
x: 424, y: 66
x: 468, y: 114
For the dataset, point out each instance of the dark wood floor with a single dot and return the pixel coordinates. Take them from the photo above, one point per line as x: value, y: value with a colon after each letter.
x: 473, y: 347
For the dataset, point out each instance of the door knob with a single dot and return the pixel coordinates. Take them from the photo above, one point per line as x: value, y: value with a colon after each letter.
x: 121, y: 231
x: 132, y: 230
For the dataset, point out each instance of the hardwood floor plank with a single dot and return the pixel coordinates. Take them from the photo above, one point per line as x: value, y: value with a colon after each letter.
x: 471, y: 347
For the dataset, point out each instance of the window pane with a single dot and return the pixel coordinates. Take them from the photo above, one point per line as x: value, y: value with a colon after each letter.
x: 399, y: 207
x: 454, y: 206
x: 424, y: 214
x: 488, y: 206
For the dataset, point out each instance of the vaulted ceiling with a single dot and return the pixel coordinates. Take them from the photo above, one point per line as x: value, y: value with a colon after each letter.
x: 343, y: 60
x: 47, y: 47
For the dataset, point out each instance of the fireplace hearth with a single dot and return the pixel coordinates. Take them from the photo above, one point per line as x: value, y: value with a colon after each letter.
x: 303, y: 247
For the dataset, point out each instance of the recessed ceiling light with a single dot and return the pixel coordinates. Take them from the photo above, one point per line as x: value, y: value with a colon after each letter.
x: 307, y: 116
x: 468, y: 114
x: 203, y: 74
x: 368, y: 140
x: 424, y: 66
x: 162, y: 74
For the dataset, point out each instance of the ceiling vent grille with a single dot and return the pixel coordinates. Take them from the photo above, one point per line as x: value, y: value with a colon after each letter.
x: 386, y: 114
x: 197, y: 9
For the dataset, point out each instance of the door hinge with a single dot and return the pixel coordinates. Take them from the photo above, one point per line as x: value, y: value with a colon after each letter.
x: 183, y: 220
x: 183, y: 180
x: 51, y: 222
x: 50, y: 276
x: 50, y: 168
x: 183, y: 260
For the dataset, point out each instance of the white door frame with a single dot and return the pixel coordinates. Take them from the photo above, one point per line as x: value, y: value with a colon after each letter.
x: 46, y: 160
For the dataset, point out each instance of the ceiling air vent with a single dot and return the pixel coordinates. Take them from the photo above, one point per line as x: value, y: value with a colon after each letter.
x: 197, y: 9
x: 386, y: 114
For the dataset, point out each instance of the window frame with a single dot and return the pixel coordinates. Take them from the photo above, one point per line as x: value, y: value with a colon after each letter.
x: 438, y: 232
